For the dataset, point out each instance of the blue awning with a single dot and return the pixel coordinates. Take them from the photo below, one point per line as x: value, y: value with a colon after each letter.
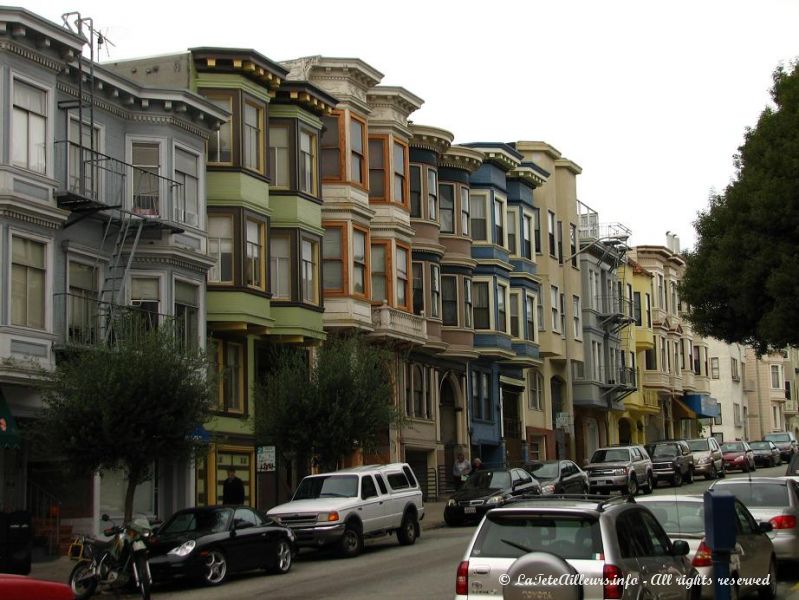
x: 704, y: 406
x: 9, y: 434
x: 200, y: 435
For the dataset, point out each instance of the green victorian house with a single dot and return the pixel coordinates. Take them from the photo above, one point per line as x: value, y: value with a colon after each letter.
x: 264, y: 227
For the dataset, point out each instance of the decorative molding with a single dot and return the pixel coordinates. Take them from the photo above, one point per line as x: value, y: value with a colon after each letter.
x: 430, y: 138
x: 461, y: 157
x: 31, y: 55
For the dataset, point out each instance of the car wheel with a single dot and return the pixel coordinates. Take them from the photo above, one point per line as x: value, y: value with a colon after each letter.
x: 769, y: 591
x: 281, y: 562
x: 632, y: 486
x: 713, y: 473
x: 676, y: 479
x: 215, y: 568
x: 451, y: 520
x: 409, y: 529
x: 689, y: 477
x: 351, y: 543
x: 82, y: 581
x: 723, y: 472
x: 651, y: 484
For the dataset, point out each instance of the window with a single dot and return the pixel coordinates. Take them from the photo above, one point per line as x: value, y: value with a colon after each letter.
x: 734, y: 369
x: 359, y: 261
x: 435, y: 290
x: 555, y: 306
x: 661, y: 292
x: 487, y: 412
x: 714, y: 368
x: 357, y: 143
x: 537, y: 224
x: 280, y: 265
x: 573, y: 244
x: 527, y: 234
x: 648, y: 311
x: 418, y: 288
x: 476, y: 405
x: 447, y: 193
x: 513, y: 232
x: 84, y: 170
x: 464, y: 211
x: 560, y: 242
x: 308, y: 176
x: 482, y: 317
x: 82, y: 311
x: 379, y: 291
x: 697, y: 361
x: 539, y: 313
x: 187, y: 314
x: 220, y: 143
x: 145, y: 296
x: 432, y: 194
x: 536, y: 390
x: 529, y: 317
x: 553, y: 248
x: 502, y: 323
x: 449, y: 299
x: 499, y: 222
x: 377, y: 169
x: 220, y: 247
x: 515, y: 299
x: 776, y: 377
x: 479, y: 223
x: 402, y: 277
x: 279, y: 156
x: 230, y: 366
x: 146, y: 180
x: 28, y: 276
x: 596, y: 361
x: 416, y: 191
x: 309, y: 250
x: 637, y: 308
x: 252, y: 157
x: 400, y: 161
x: 333, y: 259
x: 29, y: 126
x: 331, y: 148
x: 254, y: 266
x: 417, y: 373
x: 467, y: 302
x: 577, y: 316
x: 187, y: 202
x: 674, y: 306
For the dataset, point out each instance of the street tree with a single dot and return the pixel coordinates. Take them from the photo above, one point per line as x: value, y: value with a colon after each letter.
x: 328, y: 406
x: 125, y: 404
x: 742, y: 278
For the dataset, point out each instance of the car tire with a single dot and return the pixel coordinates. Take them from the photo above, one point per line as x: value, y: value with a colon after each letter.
x: 351, y: 543
x: 723, y: 473
x: 409, y: 530
x: 452, y: 521
x: 281, y: 562
x: 215, y: 568
x: 689, y: 477
x: 632, y: 486
x: 713, y: 473
x: 676, y: 479
x: 651, y: 484
x: 83, y: 584
x: 769, y: 592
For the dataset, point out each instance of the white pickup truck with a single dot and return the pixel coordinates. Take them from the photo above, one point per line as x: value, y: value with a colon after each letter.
x: 346, y: 506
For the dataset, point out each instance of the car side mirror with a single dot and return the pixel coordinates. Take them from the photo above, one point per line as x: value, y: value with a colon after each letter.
x: 765, y: 527
x: 680, y: 548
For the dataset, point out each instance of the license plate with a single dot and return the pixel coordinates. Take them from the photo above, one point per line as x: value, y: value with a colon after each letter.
x: 138, y: 545
x: 469, y: 510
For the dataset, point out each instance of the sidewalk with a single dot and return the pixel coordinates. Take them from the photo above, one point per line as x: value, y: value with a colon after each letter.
x: 433, y: 515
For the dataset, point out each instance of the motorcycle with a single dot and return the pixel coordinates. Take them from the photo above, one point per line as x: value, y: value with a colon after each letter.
x: 114, y: 564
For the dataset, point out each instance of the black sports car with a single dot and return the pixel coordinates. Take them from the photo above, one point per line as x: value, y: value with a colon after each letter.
x: 208, y: 543
x: 487, y: 489
x: 559, y: 477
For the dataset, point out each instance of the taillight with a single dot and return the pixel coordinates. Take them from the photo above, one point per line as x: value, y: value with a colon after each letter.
x: 783, y: 522
x: 703, y: 556
x: 462, y: 579
x: 613, y: 582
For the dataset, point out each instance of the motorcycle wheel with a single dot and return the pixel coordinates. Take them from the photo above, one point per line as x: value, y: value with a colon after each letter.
x: 81, y: 581
x: 144, y: 576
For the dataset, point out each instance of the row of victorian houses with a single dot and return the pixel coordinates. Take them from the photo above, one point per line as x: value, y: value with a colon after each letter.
x: 259, y: 204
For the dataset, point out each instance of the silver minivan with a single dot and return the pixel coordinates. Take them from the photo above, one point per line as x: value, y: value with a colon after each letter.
x: 708, y: 458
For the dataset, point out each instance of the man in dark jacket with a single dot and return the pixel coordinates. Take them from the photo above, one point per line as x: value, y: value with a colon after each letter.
x: 233, y: 488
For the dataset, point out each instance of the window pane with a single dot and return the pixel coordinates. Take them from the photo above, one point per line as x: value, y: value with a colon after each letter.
x: 447, y: 193
x: 307, y: 163
x: 449, y: 298
x: 416, y: 191
x: 279, y: 156
x: 379, y: 293
x: 280, y: 265
x: 252, y: 137
x: 481, y: 312
x: 331, y: 157
x: 220, y: 142
x: 399, y: 173
x: 402, y: 276
x: 309, y: 277
x: 377, y: 171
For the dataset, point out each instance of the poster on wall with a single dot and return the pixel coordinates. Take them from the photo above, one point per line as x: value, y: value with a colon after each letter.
x: 265, y: 459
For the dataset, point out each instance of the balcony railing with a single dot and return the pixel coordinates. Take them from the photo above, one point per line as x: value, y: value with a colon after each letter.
x: 591, y: 229
x: 91, y: 179
x: 623, y: 376
x: 614, y: 305
x: 393, y: 322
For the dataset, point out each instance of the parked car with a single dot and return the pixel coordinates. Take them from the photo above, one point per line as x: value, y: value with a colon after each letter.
x: 343, y: 507
x: 771, y: 499
x: 785, y: 442
x: 559, y: 476
x: 766, y: 453
x: 20, y: 587
x: 210, y: 542
x: 487, y: 489
x: 603, y: 541
x: 683, y: 517
x: 708, y: 458
x: 672, y: 460
x: 627, y: 469
x: 738, y: 456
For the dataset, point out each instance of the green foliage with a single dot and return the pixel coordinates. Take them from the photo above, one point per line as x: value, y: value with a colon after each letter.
x: 742, y: 279
x: 126, y: 405
x: 340, y: 402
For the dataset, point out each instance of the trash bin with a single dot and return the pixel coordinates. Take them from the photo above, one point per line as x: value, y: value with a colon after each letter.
x: 16, y: 542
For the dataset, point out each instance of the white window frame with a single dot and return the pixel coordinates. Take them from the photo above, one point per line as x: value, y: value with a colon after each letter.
x: 163, y: 209
x: 521, y: 316
x: 49, y: 126
x: 554, y: 301
x: 435, y: 291
x: 577, y: 317
x: 512, y: 223
x: 491, y: 302
x: 49, y: 262
x: 200, y: 304
x: 482, y: 197
x: 776, y: 370
x: 535, y: 390
x: 99, y: 147
x: 506, y: 300
x: 200, y: 156
x: 532, y: 302
x: 503, y: 211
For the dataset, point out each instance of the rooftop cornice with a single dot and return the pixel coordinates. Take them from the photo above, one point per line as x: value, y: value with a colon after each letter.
x: 503, y: 155
x: 527, y: 173
x: 461, y: 157
x: 323, y: 67
x: 430, y: 138
x: 21, y: 23
x: 565, y: 163
x: 307, y: 95
x: 243, y: 61
x: 537, y: 146
x: 662, y: 252
x: 394, y: 97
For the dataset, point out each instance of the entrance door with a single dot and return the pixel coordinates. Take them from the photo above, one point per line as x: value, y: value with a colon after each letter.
x: 417, y: 459
x: 625, y: 432
x: 512, y: 426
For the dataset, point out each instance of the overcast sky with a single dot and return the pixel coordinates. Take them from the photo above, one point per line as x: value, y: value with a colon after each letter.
x: 650, y: 98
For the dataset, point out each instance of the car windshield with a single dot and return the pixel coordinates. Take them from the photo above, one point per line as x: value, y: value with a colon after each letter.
x: 512, y: 535
x: 488, y: 480
x: 199, y: 521
x: 327, y: 486
x: 760, y: 446
x: 542, y: 471
x: 777, y: 437
x: 677, y: 516
x: 661, y: 450
x: 611, y: 455
x: 758, y: 494
x: 698, y: 445
x: 733, y: 447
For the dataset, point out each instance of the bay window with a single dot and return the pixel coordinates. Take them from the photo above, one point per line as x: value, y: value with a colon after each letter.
x: 230, y: 366
x: 220, y: 142
x: 280, y: 265
x: 464, y: 211
x: 435, y: 290
x: 502, y: 322
x: 416, y: 191
x: 400, y: 162
x: 402, y: 277
x: 513, y: 232
x: 357, y: 150
x: 467, y: 303
x: 279, y: 155
x: 482, y: 316
x: 479, y: 222
x: 449, y: 299
x: 187, y: 202
x: 379, y: 286
x: 359, y: 270
x: 515, y: 320
x: 331, y: 148
x: 446, y: 192
x: 83, y: 296
x: 377, y: 168
x: 28, y: 279
x: 309, y: 270
x: 499, y: 222
x: 29, y: 127
x: 146, y: 159
x: 187, y: 314
x: 418, y: 288
x: 333, y: 258
x: 537, y: 229
x: 254, y: 271
x: 432, y: 194
x: 529, y: 315
x: 220, y: 247
x: 145, y: 295
x: 253, y: 136
x: 527, y: 234
x: 307, y: 162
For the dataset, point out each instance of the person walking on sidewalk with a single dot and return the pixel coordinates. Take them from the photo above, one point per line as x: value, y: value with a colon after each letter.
x: 232, y: 489
x: 461, y: 470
